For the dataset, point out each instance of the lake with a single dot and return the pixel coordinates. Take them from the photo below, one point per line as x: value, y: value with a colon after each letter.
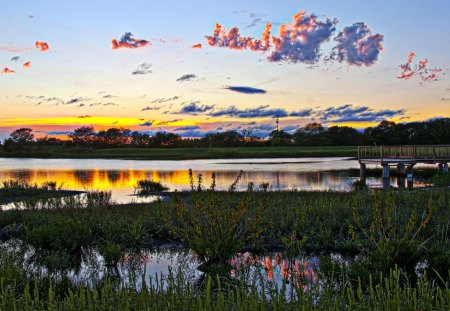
x: 120, y: 176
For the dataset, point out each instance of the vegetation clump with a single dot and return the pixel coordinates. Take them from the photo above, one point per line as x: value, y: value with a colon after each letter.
x: 145, y: 187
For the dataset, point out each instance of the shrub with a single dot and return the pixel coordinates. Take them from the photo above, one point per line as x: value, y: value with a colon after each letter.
x: 145, y: 186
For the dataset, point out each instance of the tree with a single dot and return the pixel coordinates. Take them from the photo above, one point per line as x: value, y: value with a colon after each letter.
x: 280, y: 138
x: 22, y: 136
x: 84, y: 135
x: 343, y: 135
x: 312, y: 134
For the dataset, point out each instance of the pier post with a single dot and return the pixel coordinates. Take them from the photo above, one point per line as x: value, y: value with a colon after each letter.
x: 401, y: 174
x: 362, y: 172
x: 410, y: 176
x: 386, y: 180
x: 445, y: 168
x: 440, y: 167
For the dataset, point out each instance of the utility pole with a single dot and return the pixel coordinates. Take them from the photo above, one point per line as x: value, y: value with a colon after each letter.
x: 278, y: 122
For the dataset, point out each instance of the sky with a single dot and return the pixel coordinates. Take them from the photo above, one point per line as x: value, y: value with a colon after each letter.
x: 166, y: 65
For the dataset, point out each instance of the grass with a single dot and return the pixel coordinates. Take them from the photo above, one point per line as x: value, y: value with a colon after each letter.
x: 146, y: 187
x: 14, y: 191
x: 185, y: 153
x: 390, y: 232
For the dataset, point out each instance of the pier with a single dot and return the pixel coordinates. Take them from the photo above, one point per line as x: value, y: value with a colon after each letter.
x: 404, y: 158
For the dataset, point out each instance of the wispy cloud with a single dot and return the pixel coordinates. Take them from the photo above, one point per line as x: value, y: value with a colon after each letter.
x: 420, y: 69
x: 42, y: 46
x: 127, y: 41
x: 187, y: 77
x: 150, y: 108
x: 27, y: 64
x: 143, y: 69
x: 245, y: 89
x: 261, y: 111
x: 165, y: 100
x: 16, y: 59
x: 76, y: 100
x: 197, y: 46
x: 356, y: 45
x: 147, y: 123
x: 187, y: 128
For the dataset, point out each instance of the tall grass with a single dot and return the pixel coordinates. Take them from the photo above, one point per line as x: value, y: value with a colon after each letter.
x: 175, y: 293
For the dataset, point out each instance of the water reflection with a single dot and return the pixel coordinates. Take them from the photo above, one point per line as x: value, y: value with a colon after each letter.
x: 120, y: 176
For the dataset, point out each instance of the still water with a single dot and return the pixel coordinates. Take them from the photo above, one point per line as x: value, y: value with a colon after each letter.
x: 121, y: 176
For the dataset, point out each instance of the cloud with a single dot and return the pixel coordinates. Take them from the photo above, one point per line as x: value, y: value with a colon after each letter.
x: 301, y: 41
x: 356, y: 45
x: 232, y: 39
x: 57, y: 132
x: 187, y: 128
x: 445, y: 99
x: 84, y: 117
x: 301, y: 113
x: 420, y: 69
x: 10, y: 48
x: 76, y: 100
x: 147, y: 123
x: 197, y: 46
x: 194, y: 108
x: 110, y: 104
x: 165, y: 100
x: 143, y: 69
x: 15, y: 59
x: 260, y: 111
x: 350, y: 113
x: 245, y: 89
x: 161, y: 123
x: 187, y: 77
x: 27, y: 64
x: 150, y: 108
x: 127, y: 41
x: 42, y: 46
x: 109, y: 96
x: 7, y: 70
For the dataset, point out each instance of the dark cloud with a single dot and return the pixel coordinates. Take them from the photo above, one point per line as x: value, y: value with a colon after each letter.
x: 127, y: 41
x: 147, y: 123
x: 356, y: 45
x: 350, y: 113
x: 445, y: 99
x: 187, y: 77
x: 245, y: 90
x: 16, y: 59
x: 260, y: 111
x: 290, y: 128
x: 143, y: 69
x: 150, y: 108
x: 194, y: 108
x: 84, y: 117
x: 110, y: 104
x: 57, y: 132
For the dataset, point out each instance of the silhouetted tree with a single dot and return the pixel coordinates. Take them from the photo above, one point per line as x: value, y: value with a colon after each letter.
x: 83, y: 136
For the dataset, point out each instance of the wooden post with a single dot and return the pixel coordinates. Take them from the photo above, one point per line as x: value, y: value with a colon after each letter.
x: 445, y: 169
x: 386, y: 180
x: 410, y: 176
x: 440, y: 167
x: 362, y: 172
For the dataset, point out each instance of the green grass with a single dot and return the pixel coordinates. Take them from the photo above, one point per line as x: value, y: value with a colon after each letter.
x: 380, y: 227
x: 185, y: 153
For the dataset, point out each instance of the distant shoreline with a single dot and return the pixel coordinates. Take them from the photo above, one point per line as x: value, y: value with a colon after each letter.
x: 185, y: 153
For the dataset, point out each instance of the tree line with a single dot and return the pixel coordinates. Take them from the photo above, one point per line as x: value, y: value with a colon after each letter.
x: 435, y: 131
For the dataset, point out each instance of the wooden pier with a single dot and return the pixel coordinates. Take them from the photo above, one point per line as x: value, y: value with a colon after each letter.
x: 404, y: 158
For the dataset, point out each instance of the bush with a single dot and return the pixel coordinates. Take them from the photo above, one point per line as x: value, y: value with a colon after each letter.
x: 145, y: 186
x: 214, y: 225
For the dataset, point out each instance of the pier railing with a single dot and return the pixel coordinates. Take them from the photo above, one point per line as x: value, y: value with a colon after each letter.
x: 413, y: 153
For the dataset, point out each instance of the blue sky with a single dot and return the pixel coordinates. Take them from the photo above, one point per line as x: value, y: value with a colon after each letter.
x: 81, y: 67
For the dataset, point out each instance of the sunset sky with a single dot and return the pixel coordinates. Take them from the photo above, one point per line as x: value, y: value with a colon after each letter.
x: 339, y: 64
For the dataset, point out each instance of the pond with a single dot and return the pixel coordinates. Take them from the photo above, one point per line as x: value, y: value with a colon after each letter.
x: 121, y: 176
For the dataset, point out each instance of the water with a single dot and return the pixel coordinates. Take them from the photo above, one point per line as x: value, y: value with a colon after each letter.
x: 120, y: 176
